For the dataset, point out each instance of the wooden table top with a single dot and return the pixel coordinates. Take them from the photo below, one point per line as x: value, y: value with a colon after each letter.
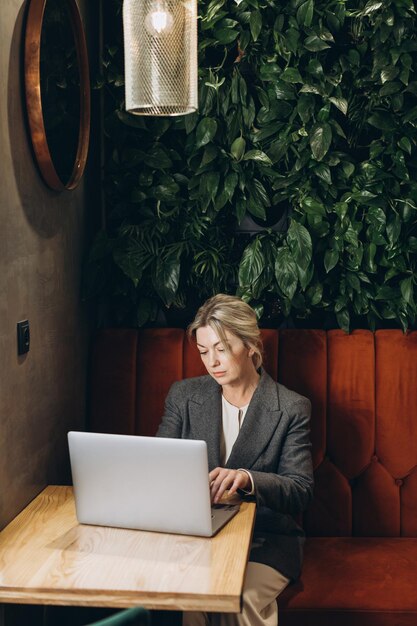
x: 46, y: 557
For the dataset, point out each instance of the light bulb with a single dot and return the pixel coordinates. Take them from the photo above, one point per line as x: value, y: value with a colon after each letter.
x: 159, y: 21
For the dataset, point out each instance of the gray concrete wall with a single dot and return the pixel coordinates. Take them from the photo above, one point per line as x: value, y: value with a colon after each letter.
x: 42, y: 240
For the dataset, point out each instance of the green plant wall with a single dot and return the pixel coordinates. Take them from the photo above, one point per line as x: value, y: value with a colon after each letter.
x: 307, y: 105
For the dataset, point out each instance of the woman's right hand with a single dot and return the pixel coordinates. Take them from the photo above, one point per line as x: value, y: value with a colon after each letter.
x: 222, y: 479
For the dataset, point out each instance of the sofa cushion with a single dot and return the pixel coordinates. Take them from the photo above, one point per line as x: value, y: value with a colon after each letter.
x: 354, y: 580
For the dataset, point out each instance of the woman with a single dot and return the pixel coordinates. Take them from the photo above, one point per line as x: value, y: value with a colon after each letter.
x: 257, y: 434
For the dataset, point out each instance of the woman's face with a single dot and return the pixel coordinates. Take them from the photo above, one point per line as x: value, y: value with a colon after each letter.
x: 227, y: 367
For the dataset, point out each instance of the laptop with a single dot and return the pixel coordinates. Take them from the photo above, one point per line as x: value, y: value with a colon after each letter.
x: 144, y: 483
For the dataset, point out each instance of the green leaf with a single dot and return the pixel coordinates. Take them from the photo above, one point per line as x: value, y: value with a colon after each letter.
x: 354, y: 57
x: 286, y: 272
x: 210, y: 153
x: 255, y: 24
x: 132, y: 157
x: 331, y: 259
x: 305, y: 13
x: 190, y: 122
x: 406, y: 209
x: 371, y: 7
x: 251, y: 265
x: 240, y: 209
x: 389, y: 73
x: 390, y: 88
x: 128, y: 263
x: 405, y: 144
x: 353, y: 281
x: 205, y: 131
x: 263, y: 97
x: 333, y: 21
x: 315, y: 68
x: 243, y: 90
x: 234, y: 91
x: 269, y: 71
x: 397, y: 103
x: 137, y: 195
x: 320, y: 140
x: 300, y: 244
x: 338, y: 128
x: 324, y: 113
x: 145, y: 179
x: 406, y: 287
x: 407, y: 60
x: 210, y: 183
x: 225, y: 35
x: 283, y: 91
x: 257, y: 155
x: 340, y: 302
x: 394, y: 229
x: 412, y: 87
x: 411, y: 115
x: 382, y: 120
x: 315, y: 294
x: 377, y: 218
x: 291, y: 75
x: 412, y: 244
x: 226, y: 22
x: 325, y: 34
x: 340, y: 103
x: 348, y: 169
x: 305, y: 107
x: 315, y: 44
x: 259, y: 309
x: 258, y: 191
x: 388, y: 313
x: 310, y: 89
x: 157, y: 158
x: 351, y: 236
x: 220, y: 200
x: 256, y: 208
x: 369, y: 258
x: 386, y: 293
x: 323, y: 172
x: 313, y: 206
x: 166, y: 278
x: 305, y: 276
x: 238, y: 148
x: 292, y: 36
x: 343, y: 319
x: 230, y: 183
x: 167, y: 190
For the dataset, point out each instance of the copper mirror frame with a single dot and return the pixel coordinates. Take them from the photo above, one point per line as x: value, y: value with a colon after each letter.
x: 34, y: 100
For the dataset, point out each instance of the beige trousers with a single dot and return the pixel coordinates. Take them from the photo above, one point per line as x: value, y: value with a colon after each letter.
x: 262, y: 586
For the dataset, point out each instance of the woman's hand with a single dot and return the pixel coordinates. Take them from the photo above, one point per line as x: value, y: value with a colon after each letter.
x: 222, y: 479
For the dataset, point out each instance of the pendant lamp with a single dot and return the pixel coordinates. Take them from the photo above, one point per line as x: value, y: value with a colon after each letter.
x: 160, y: 41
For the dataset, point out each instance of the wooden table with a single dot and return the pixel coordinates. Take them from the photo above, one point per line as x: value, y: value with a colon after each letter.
x: 46, y: 557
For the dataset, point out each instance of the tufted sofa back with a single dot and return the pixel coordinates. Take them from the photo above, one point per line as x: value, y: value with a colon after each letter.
x: 363, y: 389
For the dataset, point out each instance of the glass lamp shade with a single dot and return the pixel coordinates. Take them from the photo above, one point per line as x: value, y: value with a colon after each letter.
x: 160, y: 41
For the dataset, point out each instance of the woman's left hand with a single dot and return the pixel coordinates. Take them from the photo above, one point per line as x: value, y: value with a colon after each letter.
x: 222, y: 479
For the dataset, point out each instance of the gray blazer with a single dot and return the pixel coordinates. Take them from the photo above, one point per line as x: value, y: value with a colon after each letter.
x: 273, y: 444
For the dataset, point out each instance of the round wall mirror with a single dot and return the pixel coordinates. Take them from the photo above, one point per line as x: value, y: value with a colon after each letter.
x: 57, y: 87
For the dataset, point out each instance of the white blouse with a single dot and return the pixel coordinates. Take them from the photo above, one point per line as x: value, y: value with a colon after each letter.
x: 232, y: 420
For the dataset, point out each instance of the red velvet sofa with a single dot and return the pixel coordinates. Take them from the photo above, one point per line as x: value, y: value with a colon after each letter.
x: 360, y: 563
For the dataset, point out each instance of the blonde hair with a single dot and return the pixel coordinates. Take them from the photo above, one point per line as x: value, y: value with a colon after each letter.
x: 229, y: 313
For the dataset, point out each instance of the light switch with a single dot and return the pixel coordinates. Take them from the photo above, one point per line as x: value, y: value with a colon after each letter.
x: 23, y: 337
